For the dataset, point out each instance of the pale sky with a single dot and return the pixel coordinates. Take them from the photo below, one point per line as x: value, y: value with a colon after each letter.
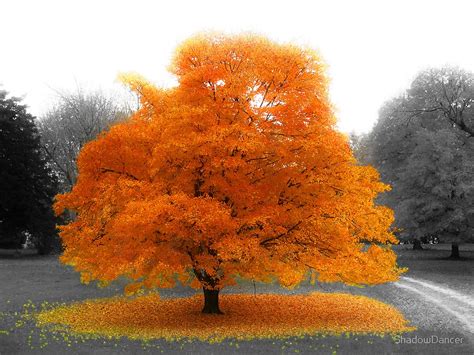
x: 373, y: 48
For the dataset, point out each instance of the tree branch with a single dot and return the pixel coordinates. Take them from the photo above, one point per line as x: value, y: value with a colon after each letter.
x: 281, y: 235
x: 107, y: 170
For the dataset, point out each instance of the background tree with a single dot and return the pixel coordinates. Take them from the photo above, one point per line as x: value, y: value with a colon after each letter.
x: 236, y: 172
x: 422, y: 145
x: 76, y: 119
x: 27, y: 186
x: 359, y: 145
x: 449, y: 93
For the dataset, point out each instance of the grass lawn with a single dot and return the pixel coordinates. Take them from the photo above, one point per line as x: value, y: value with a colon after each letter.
x: 34, y: 279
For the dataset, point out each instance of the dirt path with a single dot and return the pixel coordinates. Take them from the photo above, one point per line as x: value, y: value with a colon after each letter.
x: 457, y: 304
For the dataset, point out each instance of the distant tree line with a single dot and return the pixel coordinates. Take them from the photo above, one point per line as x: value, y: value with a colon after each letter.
x: 38, y: 161
x: 423, y: 146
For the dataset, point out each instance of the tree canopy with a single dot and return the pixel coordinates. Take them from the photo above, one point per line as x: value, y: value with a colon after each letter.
x: 27, y: 186
x: 422, y: 145
x: 238, y: 171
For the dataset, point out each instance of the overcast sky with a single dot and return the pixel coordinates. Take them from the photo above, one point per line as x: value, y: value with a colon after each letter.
x: 373, y: 48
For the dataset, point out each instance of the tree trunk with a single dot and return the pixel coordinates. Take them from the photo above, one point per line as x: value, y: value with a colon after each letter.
x: 454, y: 251
x: 211, y: 302
x: 417, y: 245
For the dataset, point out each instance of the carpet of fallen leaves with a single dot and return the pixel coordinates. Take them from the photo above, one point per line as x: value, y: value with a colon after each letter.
x: 246, y: 317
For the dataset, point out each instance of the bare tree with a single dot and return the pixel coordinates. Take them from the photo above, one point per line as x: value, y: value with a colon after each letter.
x: 76, y: 119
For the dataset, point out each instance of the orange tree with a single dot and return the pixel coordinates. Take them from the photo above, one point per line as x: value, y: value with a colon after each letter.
x: 238, y: 171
